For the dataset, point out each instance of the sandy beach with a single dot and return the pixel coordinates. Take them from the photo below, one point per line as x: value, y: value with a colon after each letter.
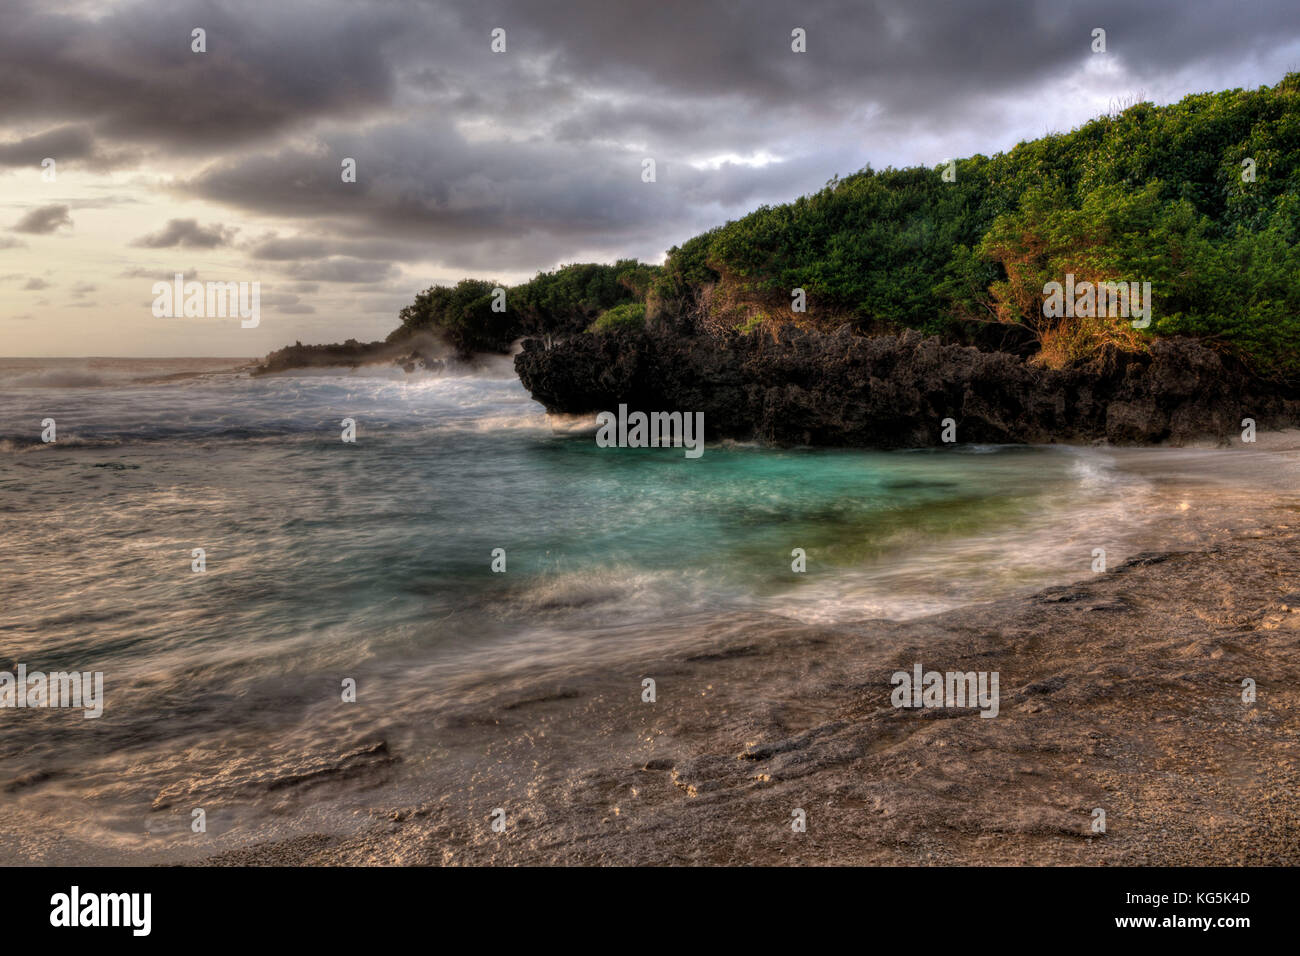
x: 1122, y: 691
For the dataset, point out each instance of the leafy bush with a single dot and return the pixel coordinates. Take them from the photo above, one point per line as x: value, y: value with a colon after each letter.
x: 463, y: 312
x: 1151, y: 194
x: 629, y: 315
x: 563, y: 302
x: 1154, y: 194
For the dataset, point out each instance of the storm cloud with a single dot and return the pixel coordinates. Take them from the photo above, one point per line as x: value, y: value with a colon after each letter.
x: 470, y: 161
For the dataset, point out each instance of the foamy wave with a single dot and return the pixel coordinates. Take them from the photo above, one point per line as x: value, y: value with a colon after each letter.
x: 572, y: 591
x: 617, y: 594
x: 229, y: 406
x: 11, y: 446
x: 520, y: 421
x: 577, y: 425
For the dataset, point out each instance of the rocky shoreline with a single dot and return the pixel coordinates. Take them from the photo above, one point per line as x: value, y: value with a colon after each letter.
x: 895, y: 391
x: 1122, y: 691
x: 802, y: 387
x: 408, y: 354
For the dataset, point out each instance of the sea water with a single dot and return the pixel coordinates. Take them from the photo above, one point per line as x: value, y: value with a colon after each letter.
x: 326, y: 560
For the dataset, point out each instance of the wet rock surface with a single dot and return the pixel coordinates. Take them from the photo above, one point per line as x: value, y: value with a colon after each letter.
x: 1137, y: 711
x: 894, y: 391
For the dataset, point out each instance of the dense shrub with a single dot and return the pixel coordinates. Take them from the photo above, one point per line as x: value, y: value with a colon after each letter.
x: 1151, y: 194
x: 629, y: 315
x: 563, y: 302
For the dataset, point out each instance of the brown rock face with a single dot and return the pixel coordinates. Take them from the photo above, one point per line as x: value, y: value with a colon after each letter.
x: 894, y: 391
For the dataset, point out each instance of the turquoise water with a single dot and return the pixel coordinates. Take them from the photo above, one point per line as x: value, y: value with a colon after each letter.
x: 372, y: 560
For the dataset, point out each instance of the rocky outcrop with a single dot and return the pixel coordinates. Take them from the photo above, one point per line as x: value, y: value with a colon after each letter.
x: 894, y: 391
x: 410, y: 354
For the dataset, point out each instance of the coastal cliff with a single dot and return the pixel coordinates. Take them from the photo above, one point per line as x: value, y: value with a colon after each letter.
x: 894, y: 391
x: 1101, y: 284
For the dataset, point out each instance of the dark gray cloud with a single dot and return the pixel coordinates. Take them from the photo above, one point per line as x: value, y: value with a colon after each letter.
x: 343, y: 269
x: 129, y: 71
x: 35, y: 284
x: 484, y: 162
x: 425, y: 191
x: 585, y: 69
x: 71, y: 145
x: 63, y: 143
x: 44, y: 220
x: 274, y: 248
x: 928, y: 57
x: 186, y: 233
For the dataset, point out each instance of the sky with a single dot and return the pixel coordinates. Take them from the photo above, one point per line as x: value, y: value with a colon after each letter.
x: 227, y: 164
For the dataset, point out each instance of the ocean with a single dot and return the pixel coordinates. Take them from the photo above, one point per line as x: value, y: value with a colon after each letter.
x: 328, y: 561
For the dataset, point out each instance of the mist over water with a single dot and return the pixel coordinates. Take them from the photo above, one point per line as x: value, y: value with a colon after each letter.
x: 328, y: 560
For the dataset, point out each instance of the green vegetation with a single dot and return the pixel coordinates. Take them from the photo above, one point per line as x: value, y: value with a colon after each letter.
x: 629, y: 315
x: 563, y: 302
x: 464, y: 313
x: 1153, y: 194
